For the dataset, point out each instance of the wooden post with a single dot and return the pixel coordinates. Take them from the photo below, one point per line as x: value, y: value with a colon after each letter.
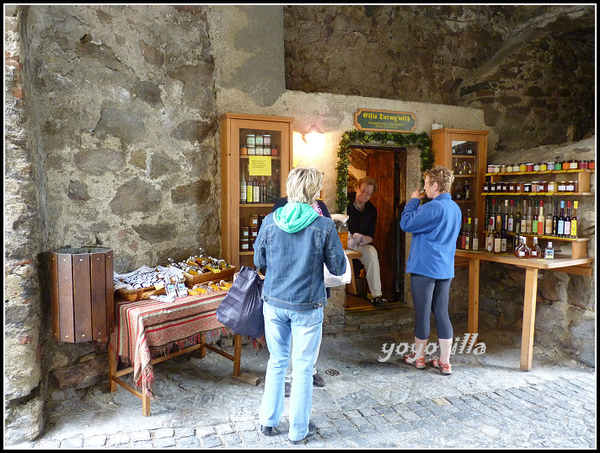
x: 531, y: 277
x: 473, y: 317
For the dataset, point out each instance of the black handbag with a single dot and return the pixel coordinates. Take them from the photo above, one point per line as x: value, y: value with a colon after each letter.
x: 242, y: 308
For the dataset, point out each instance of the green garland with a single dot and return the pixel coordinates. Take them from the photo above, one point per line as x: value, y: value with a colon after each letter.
x: 397, y: 138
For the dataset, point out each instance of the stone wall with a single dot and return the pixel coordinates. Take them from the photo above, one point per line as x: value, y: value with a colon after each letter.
x: 529, y: 68
x: 111, y: 139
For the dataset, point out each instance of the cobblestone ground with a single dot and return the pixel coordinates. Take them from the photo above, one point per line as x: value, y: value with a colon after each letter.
x: 488, y: 402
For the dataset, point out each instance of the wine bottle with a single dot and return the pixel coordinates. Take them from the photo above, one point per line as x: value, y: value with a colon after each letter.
x: 555, y: 220
x: 489, y: 240
x: 561, y: 221
x: 567, y: 226
x: 511, y: 219
x: 256, y: 194
x: 475, y: 242
x: 541, y: 219
x: 573, y: 221
x: 249, y: 190
x: 548, y: 227
x: 243, y: 187
x: 524, y: 218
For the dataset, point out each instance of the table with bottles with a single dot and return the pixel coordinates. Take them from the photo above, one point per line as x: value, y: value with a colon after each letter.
x: 579, y: 266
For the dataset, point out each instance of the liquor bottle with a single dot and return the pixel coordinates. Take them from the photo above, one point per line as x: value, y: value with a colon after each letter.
x: 534, y: 220
x: 463, y: 234
x: 505, y: 216
x: 497, y: 242
x: 510, y: 227
x: 468, y: 235
x: 489, y: 240
x: 475, y: 242
x: 492, y: 218
x: 466, y: 191
x: 536, y: 251
x: 524, y: 218
x: 541, y: 219
x: 503, y: 240
x: 524, y: 251
x: 499, y: 217
x: 517, y: 245
x: 555, y: 220
x: 256, y: 194
x: 249, y: 190
x: 243, y: 187
x: 518, y: 217
x: 549, y: 217
x: 528, y: 220
x: 458, y: 194
x: 567, y: 227
x: 573, y: 221
x: 561, y: 221
x: 549, y: 252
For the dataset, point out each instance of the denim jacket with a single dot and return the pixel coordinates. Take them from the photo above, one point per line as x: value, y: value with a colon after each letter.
x: 294, y: 261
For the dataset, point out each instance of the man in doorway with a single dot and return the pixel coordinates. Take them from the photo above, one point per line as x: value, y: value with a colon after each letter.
x: 361, y: 225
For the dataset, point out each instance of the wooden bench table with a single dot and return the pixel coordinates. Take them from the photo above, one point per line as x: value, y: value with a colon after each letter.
x: 579, y: 266
x: 146, y: 330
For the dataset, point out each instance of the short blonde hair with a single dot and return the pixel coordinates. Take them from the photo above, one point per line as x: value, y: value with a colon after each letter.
x: 442, y: 176
x: 304, y: 184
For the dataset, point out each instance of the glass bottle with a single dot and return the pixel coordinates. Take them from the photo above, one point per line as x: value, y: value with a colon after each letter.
x: 249, y: 190
x: 555, y: 220
x: 518, y: 244
x: 256, y: 194
x: 510, y: 227
x: 524, y: 250
x: 466, y: 191
x: 549, y: 217
x: 549, y: 252
x: 524, y: 218
x: 475, y: 242
x: 243, y: 187
x: 489, y: 240
x: 561, y: 221
x: 541, y: 219
x: 574, y: 221
x: 497, y: 242
x: 536, y: 251
x: 567, y: 226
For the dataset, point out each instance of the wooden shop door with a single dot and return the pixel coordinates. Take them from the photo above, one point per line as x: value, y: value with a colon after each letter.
x: 388, y: 168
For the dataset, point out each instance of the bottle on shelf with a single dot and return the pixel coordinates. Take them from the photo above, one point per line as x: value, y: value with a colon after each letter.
x: 560, y: 232
x: 243, y: 187
x: 549, y: 217
x: 541, y: 219
x: 497, y: 242
x: 475, y: 242
x: 529, y: 219
x: 493, y: 215
x: 524, y: 218
x: 466, y: 191
x: 256, y: 194
x: 574, y: 221
x: 489, y: 239
x: 536, y: 251
x: 249, y: 191
x: 510, y: 226
x: 524, y: 251
x: 555, y: 220
x: 534, y: 220
x: 567, y: 226
x: 549, y: 252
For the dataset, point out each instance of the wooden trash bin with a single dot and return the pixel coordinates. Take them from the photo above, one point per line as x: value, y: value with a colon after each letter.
x: 82, y: 294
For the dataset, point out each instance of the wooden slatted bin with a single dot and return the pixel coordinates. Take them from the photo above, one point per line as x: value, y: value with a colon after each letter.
x: 82, y: 294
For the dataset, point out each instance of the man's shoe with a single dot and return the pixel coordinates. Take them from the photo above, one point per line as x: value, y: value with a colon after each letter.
x: 268, y: 430
x: 312, y: 429
x: 379, y: 302
x: 288, y: 389
x: 318, y: 380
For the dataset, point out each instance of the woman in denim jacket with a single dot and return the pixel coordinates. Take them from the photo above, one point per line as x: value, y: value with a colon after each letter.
x: 293, y: 243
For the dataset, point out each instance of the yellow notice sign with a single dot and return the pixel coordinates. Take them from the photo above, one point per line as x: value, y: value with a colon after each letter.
x: 259, y: 165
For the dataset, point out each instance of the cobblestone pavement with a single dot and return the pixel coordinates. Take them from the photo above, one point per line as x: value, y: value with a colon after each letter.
x: 488, y: 402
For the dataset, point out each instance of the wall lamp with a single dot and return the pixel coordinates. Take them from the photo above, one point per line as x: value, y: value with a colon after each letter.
x: 313, y: 133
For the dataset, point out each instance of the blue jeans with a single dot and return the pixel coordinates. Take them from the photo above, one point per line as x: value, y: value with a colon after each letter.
x: 280, y: 326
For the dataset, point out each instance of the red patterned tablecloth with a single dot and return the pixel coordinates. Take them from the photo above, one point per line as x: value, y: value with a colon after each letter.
x: 148, y: 328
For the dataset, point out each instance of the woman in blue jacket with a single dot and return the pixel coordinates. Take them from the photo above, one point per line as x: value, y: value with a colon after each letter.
x: 435, y: 227
x: 292, y: 245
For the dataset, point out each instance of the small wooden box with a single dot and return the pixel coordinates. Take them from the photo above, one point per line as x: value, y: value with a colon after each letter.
x: 225, y: 274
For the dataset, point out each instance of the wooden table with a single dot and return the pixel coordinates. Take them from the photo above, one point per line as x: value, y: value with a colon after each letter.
x: 147, y: 330
x: 579, y: 266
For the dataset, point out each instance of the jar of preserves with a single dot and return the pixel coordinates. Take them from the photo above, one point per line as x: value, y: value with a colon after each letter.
x: 550, y: 166
x: 520, y: 186
x: 543, y: 166
x: 592, y: 165
x: 536, y: 167
x: 573, y: 165
x: 245, y: 245
x: 274, y: 151
x: 503, y: 168
x: 251, y: 150
x: 251, y: 140
x: 551, y: 186
x: 266, y: 150
x: 511, y: 186
x: 584, y: 164
x: 259, y: 140
x: 522, y: 167
x: 243, y: 150
x: 486, y: 186
x: 267, y: 139
x: 504, y: 186
x: 571, y: 186
x: 260, y: 151
x: 561, y: 186
x: 529, y: 166
x: 527, y: 187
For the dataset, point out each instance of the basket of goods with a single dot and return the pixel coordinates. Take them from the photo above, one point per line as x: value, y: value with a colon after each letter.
x: 146, y: 282
x: 203, y: 268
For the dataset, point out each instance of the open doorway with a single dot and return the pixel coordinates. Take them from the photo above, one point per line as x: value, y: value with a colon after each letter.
x: 387, y: 165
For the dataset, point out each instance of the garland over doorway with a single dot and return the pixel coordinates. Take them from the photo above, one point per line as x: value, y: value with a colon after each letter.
x: 397, y: 138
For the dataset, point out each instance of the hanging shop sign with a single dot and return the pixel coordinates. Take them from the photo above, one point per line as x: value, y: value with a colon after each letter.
x: 384, y: 120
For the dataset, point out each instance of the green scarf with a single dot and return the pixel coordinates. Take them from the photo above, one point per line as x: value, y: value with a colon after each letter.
x: 294, y: 216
